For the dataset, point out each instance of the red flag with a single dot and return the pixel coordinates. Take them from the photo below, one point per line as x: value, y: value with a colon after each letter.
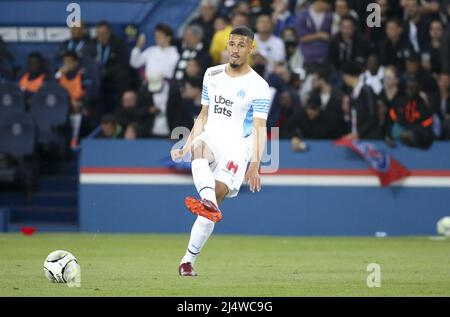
x: 383, y: 165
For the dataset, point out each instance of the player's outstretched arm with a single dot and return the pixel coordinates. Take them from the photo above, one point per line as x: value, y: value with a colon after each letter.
x: 259, y: 143
x: 198, y: 128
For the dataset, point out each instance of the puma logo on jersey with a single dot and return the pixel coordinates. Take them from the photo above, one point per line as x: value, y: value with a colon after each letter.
x: 216, y: 72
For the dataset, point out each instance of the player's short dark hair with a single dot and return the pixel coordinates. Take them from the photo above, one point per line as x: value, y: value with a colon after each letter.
x: 164, y: 28
x: 71, y: 54
x: 243, y: 30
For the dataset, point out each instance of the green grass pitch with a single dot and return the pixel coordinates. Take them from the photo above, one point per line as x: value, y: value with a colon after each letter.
x: 147, y: 265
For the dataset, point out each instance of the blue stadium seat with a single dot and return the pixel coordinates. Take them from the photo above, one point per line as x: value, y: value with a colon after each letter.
x: 11, y: 98
x: 17, y: 149
x: 49, y: 108
x: 18, y: 132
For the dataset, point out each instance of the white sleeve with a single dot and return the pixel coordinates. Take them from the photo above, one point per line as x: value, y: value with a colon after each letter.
x: 261, y: 103
x: 137, y: 58
x: 205, y: 94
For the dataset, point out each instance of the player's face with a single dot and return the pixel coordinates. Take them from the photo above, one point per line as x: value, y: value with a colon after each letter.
x: 239, y: 48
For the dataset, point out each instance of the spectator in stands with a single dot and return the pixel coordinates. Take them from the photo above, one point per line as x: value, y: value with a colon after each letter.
x: 440, y: 102
x: 33, y: 78
x: 129, y: 112
x: 411, y: 118
x: 414, y: 69
x: 220, y: 38
x: 281, y: 16
x: 74, y: 80
x: 341, y: 9
x: 161, y: 58
x: 162, y: 99
x: 194, y: 69
x: 192, y: 47
x: 365, y: 104
x: 131, y: 131
x: 286, y: 101
x: 79, y: 42
x: 112, y: 56
x: 314, y: 29
x: 431, y: 54
x: 110, y: 129
x: 6, y: 59
x: 206, y: 20
x: 267, y: 44
x: 191, y: 103
x: 392, y: 50
x: 388, y: 97
x: 294, y: 56
x: 416, y: 25
x: 259, y: 62
x: 310, y: 123
x: 349, y: 49
x: 373, y: 76
x: 331, y: 101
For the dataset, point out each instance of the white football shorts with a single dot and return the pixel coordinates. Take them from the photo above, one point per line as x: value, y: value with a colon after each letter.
x: 230, y: 160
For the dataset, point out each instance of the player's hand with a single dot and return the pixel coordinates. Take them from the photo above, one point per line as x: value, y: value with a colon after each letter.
x: 177, y: 154
x: 252, y: 177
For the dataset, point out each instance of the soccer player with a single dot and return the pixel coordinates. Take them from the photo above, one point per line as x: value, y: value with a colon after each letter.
x: 229, y: 133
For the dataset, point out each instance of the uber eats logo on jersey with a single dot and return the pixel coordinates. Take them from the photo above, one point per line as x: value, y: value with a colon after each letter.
x: 222, y: 106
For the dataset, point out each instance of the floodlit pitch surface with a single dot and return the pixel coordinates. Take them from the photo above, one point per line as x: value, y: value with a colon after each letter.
x: 147, y: 265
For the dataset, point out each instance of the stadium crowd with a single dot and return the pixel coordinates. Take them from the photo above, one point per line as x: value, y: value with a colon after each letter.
x: 331, y: 74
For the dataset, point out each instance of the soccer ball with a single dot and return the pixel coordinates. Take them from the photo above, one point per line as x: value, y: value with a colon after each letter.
x: 61, y: 267
x: 443, y: 227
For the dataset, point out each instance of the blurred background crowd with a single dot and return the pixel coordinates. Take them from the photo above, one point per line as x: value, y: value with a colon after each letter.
x: 331, y: 74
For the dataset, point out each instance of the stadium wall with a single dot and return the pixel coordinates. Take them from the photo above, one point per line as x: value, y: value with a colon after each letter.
x: 125, y: 187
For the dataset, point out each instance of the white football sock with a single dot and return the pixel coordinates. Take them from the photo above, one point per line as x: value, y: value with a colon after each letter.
x: 201, y: 230
x: 204, y: 180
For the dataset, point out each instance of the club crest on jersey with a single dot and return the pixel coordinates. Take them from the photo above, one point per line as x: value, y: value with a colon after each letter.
x: 232, y: 167
x: 241, y: 94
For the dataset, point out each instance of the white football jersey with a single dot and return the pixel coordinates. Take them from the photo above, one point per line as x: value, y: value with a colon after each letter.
x: 233, y: 103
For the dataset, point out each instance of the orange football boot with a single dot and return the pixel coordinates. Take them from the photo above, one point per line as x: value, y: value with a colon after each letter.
x: 204, y: 208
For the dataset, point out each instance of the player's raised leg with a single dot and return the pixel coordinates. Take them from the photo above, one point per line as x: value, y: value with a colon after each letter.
x: 205, y: 184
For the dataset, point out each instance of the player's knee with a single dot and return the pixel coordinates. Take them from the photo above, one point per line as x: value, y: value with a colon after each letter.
x: 200, y: 150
